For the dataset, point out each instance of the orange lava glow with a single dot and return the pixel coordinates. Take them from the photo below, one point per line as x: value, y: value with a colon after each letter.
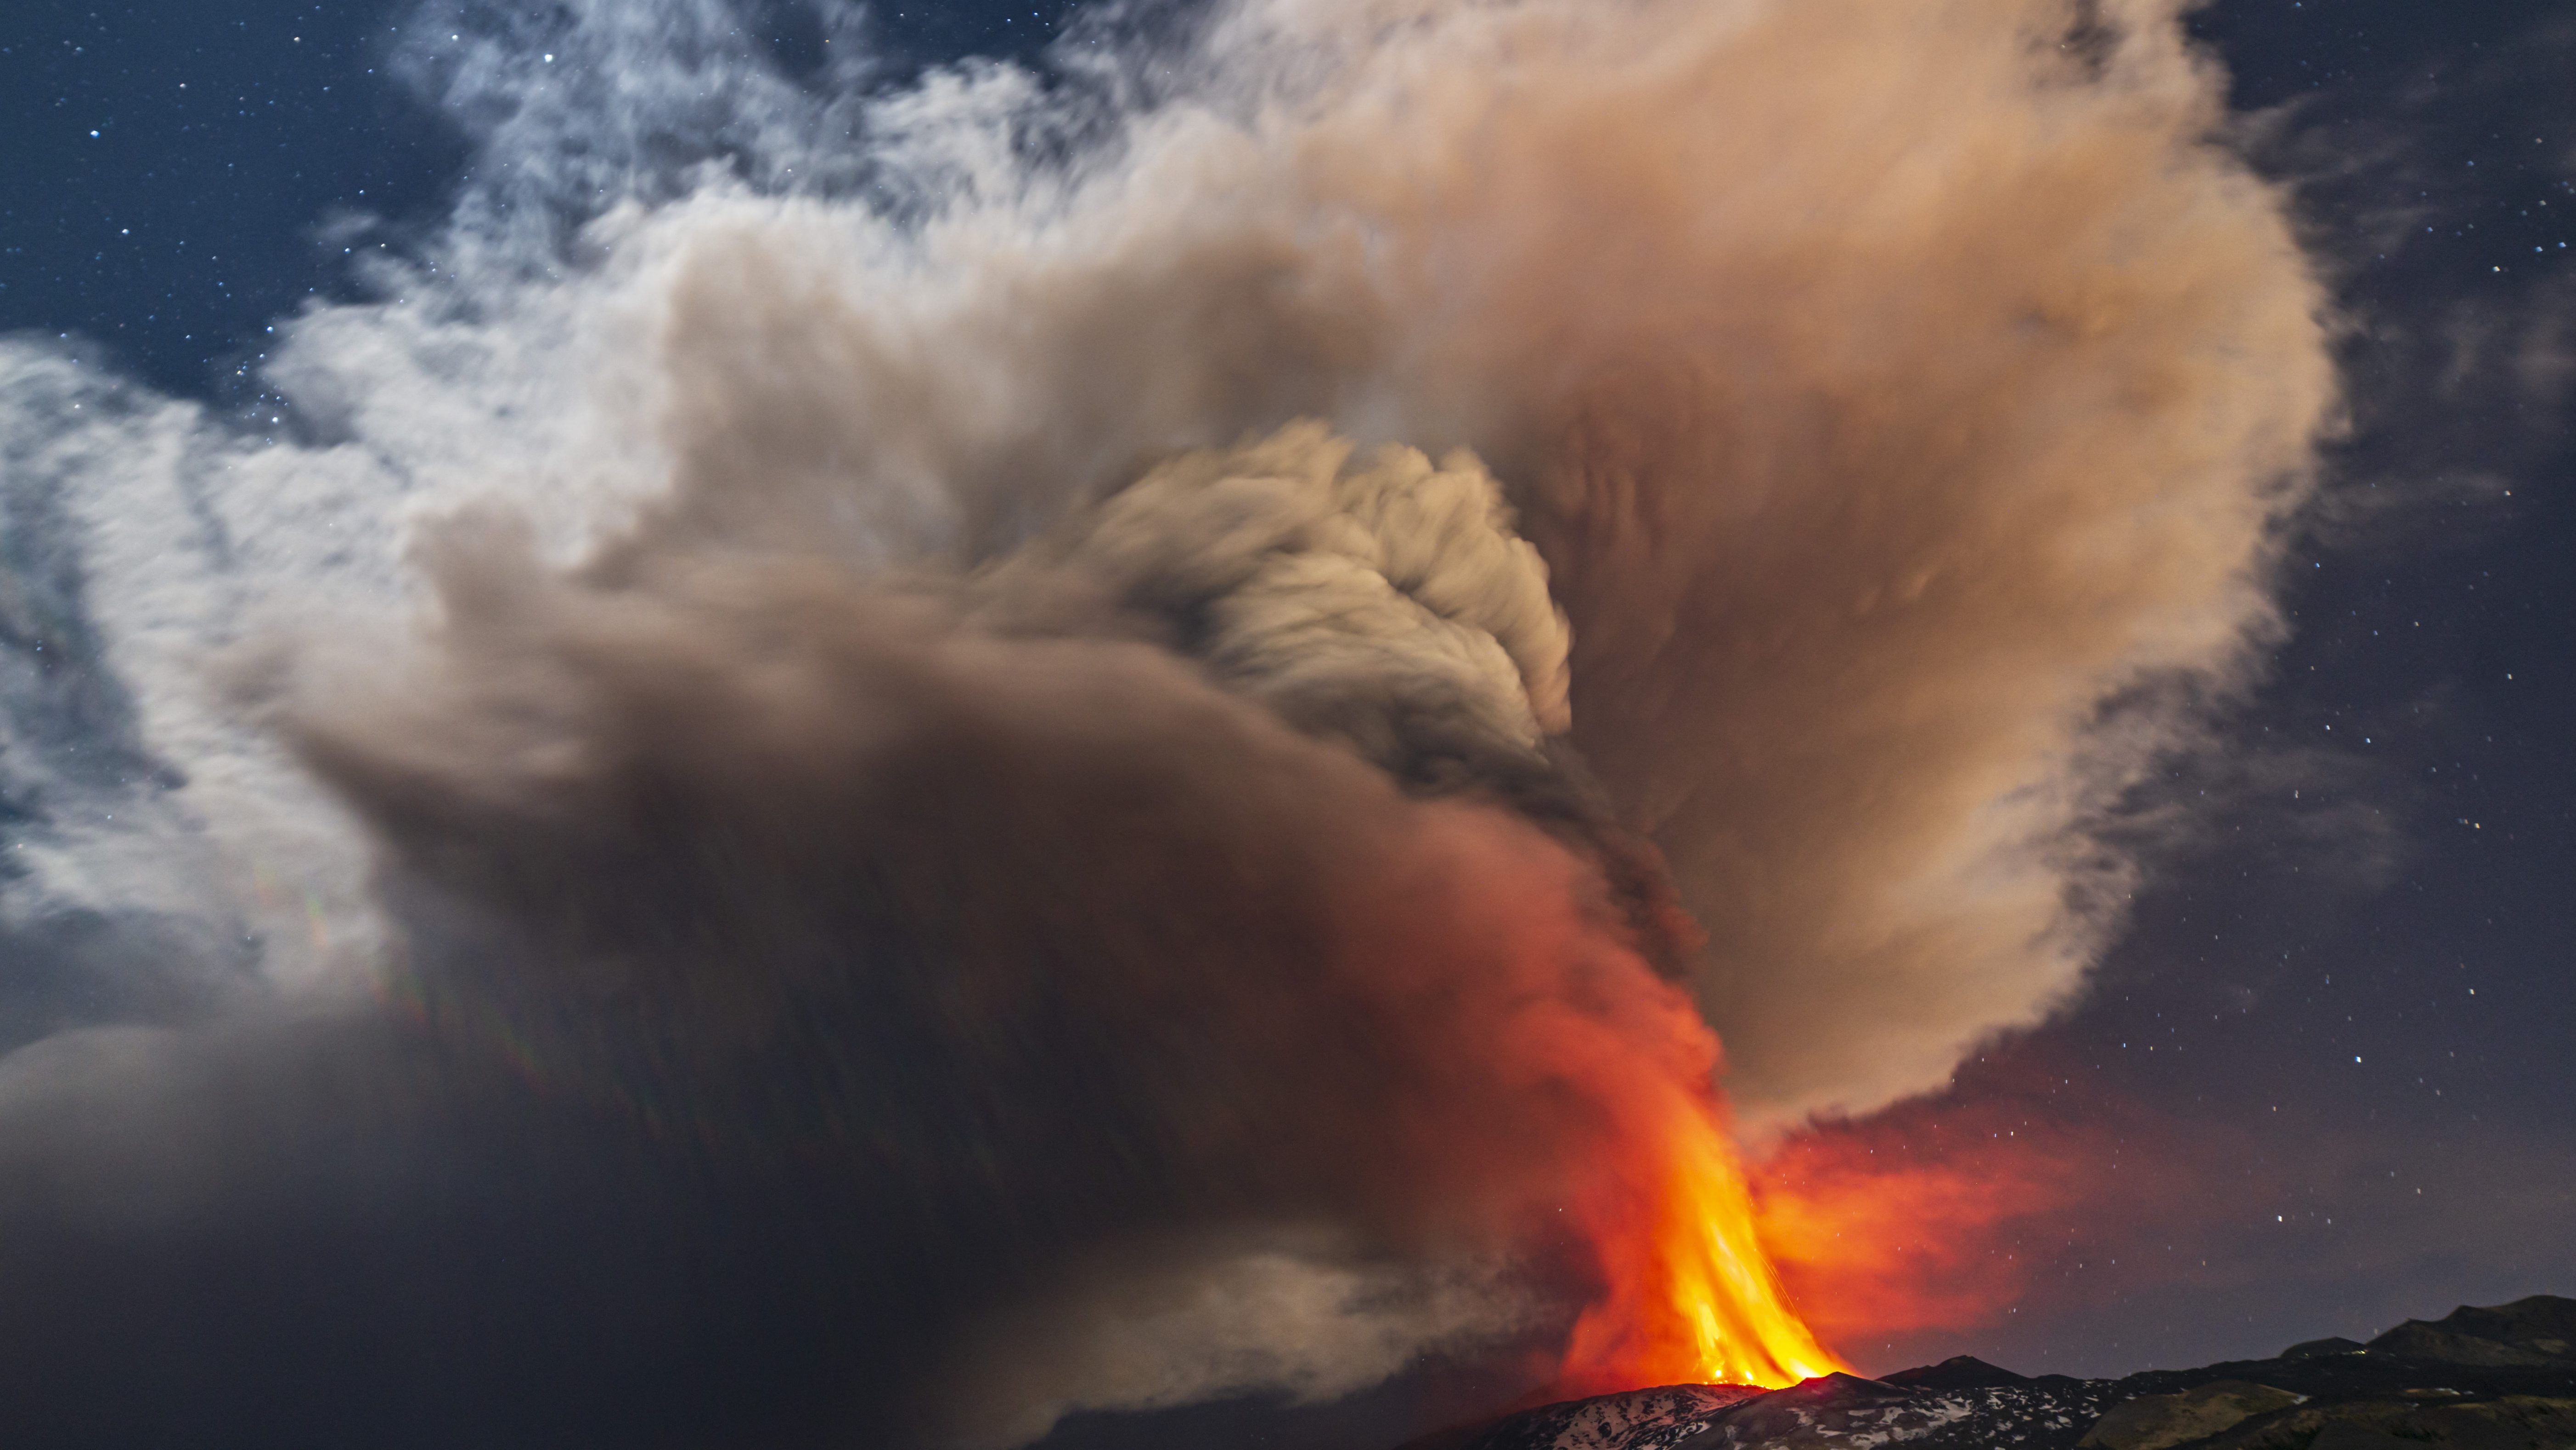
x: 1692, y: 1294
x: 1612, y: 1070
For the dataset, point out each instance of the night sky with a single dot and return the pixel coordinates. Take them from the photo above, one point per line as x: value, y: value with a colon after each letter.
x: 2323, y: 1082
x: 2343, y: 1019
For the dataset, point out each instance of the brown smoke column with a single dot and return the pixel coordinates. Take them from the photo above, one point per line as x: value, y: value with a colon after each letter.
x: 1895, y: 388
x: 1905, y: 399
x: 1050, y: 936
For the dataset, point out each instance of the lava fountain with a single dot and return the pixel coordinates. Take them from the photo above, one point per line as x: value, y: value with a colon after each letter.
x: 1688, y: 1290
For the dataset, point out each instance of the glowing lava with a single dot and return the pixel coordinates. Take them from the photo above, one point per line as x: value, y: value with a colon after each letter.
x: 1692, y: 1296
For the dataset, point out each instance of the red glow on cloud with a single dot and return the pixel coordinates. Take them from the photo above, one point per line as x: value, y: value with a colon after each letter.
x: 1932, y: 1215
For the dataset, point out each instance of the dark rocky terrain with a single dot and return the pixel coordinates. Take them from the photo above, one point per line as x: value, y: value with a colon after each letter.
x: 2501, y: 1378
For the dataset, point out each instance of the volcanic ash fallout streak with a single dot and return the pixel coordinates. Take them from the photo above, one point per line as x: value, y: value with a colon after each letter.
x: 1187, y: 680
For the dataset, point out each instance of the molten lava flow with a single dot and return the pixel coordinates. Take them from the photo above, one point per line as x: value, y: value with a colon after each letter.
x: 1692, y: 1295
x: 1619, y: 1059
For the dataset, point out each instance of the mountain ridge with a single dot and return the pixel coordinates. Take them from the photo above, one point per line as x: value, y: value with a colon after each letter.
x: 2499, y: 1377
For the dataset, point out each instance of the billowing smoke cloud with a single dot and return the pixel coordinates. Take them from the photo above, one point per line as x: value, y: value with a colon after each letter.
x: 887, y: 699
x: 1893, y: 400
x: 974, y: 882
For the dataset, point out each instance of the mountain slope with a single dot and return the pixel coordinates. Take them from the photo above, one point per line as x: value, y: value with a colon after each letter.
x: 2499, y: 1378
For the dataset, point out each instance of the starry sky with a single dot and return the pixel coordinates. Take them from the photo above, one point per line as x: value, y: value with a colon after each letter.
x: 2336, y: 1039
x: 2323, y: 1082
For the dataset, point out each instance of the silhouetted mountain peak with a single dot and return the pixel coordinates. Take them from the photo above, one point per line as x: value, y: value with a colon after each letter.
x: 1959, y: 1372
x: 2540, y: 1330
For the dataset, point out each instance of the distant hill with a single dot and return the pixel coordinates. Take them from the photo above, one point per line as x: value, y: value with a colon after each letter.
x: 2500, y: 1378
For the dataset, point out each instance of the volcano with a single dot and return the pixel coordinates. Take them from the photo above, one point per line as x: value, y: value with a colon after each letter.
x: 2478, y: 1379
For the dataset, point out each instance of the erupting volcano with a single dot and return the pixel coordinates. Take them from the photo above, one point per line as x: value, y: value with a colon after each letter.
x: 962, y: 755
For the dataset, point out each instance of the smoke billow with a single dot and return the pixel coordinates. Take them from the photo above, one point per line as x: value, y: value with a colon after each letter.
x: 912, y: 701
x: 1025, y: 889
x: 1905, y: 409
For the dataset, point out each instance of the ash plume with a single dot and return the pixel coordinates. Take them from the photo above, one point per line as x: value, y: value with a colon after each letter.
x: 1065, y: 708
x: 1077, y: 896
